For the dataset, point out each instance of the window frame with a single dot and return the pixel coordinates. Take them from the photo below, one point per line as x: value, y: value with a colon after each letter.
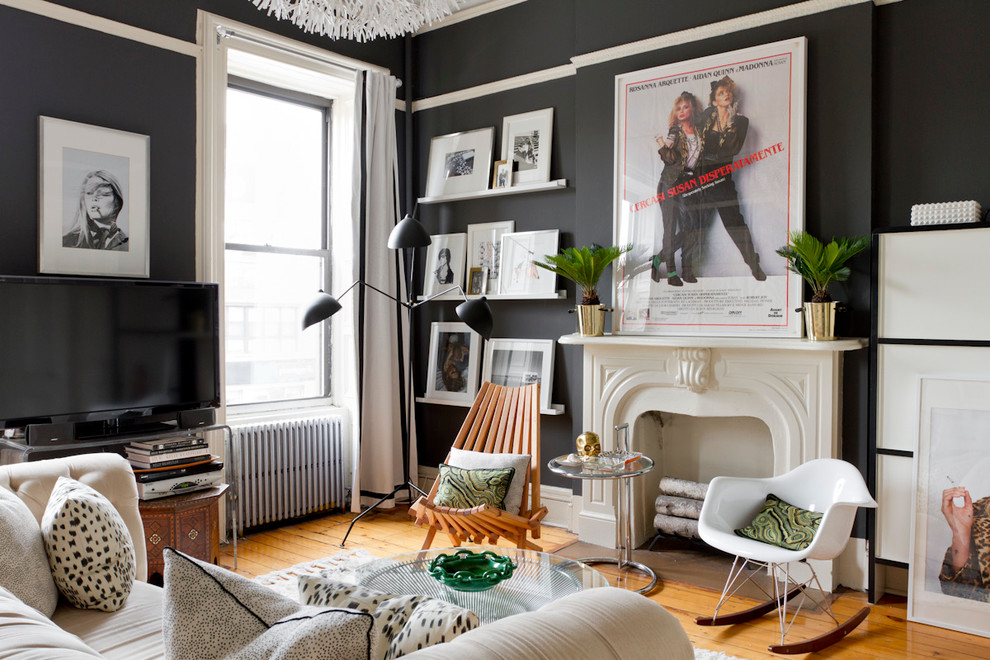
x: 324, y: 252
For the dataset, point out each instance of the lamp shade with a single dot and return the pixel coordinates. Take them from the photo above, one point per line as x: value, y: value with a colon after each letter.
x: 322, y: 308
x: 478, y: 316
x: 408, y: 234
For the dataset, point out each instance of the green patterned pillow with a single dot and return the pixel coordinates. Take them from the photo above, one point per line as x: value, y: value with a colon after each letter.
x: 464, y: 489
x: 782, y: 524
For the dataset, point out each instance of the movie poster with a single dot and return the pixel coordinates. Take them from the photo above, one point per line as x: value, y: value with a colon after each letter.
x: 709, y: 181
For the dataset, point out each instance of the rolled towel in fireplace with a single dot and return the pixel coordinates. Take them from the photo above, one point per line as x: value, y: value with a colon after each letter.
x: 682, y: 488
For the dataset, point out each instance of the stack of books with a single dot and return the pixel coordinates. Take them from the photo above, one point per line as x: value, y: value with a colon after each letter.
x: 171, y: 466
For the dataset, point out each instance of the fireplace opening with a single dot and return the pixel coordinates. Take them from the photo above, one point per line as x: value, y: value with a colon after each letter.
x: 694, y: 448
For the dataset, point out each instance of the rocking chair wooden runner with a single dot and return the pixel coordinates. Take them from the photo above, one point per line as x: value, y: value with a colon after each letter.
x: 501, y: 420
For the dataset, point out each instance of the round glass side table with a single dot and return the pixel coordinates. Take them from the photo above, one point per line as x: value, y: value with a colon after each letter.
x: 623, y: 508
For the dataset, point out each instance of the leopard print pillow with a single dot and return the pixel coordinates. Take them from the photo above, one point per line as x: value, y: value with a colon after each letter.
x: 90, y: 551
x: 403, y: 623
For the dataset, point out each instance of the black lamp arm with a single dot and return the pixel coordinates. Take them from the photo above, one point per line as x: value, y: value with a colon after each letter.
x: 375, y: 288
x: 456, y: 287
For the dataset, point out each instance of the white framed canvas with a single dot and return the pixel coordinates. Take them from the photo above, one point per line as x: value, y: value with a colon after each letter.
x: 452, y: 373
x: 949, y: 577
x: 460, y: 162
x: 518, y: 275
x: 516, y: 362
x: 709, y: 179
x: 94, y: 200
x: 444, y: 263
x: 484, y: 250
x: 526, y: 143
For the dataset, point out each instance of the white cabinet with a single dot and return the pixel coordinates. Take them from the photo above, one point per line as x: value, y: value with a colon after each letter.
x: 931, y: 320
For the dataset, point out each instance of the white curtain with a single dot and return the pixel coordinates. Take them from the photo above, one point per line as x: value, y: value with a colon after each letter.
x: 382, y: 324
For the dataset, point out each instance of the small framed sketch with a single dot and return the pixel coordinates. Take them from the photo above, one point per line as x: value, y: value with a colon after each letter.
x: 453, y: 364
x: 526, y: 141
x: 476, y: 281
x: 948, y: 581
x: 460, y: 162
x: 485, y: 250
x: 95, y: 200
x: 444, y: 263
x: 518, y: 274
x: 502, y: 178
x: 518, y: 362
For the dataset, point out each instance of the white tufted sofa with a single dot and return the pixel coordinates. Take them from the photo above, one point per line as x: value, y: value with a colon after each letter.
x: 597, y: 623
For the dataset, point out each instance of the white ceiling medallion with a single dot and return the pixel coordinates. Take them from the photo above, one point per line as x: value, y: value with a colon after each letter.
x: 360, y: 20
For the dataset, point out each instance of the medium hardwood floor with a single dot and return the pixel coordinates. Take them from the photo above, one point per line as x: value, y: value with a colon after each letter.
x: 886, y: 634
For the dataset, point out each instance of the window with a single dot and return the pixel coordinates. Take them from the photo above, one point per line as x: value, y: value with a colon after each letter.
x: 276, y: 242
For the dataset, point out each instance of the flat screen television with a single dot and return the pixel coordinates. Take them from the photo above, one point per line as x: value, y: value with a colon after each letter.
x: 104, y: 353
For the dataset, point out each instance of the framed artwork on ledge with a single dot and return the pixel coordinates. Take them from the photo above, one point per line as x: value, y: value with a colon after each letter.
x: 485, y: 251
x: 516, y: 362
x: 518, y: 275
x: 709, y: 179
x: 460, y: 162
x: 94, y: 200
x: 526, y: 142
x: 454, y: 359
x: 949, y: 575
x: 444, y: 263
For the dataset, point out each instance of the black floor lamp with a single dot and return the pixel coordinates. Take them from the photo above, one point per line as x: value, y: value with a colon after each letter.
x: 408, y: 234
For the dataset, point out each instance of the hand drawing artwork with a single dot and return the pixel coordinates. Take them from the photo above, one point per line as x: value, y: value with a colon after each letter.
x: 709, y: 180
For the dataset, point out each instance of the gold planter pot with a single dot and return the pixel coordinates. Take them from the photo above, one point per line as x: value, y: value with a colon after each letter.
x: 591, y: 320
x: 819, y: 319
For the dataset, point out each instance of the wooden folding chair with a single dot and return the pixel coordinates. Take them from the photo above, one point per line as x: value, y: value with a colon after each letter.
x: 501, y: 420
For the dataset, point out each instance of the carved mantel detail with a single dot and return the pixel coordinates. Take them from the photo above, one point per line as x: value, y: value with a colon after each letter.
x: 694, y: 368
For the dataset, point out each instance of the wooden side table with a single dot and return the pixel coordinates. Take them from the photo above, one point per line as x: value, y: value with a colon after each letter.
x: 189, y: 523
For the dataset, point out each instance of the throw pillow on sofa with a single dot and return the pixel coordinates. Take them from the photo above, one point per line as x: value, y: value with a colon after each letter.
x: 403, y: 623
x: 23, y: 563
x: 90, y: 551
x: 210, y: 613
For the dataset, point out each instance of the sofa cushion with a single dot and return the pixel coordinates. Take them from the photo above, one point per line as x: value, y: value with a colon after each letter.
x: 27, y: 633
x: 210, y: 612
x: 133, y: 631
x: 403, y: 624
x: 465, y: 489
x: 90, y: 552
x: 23, y: 562
x: 478, y: 459
x: 782, y: 524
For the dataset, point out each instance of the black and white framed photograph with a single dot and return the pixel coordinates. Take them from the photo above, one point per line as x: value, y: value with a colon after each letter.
x: 476, y: 281
x: 444, y: 263
x: 460, y: 162
x: 518, y: 275
x: 94, y: 200
x: 709, y: 179
x: 526, y: 142
x: 484, y: 242
x: 454, y: 360
x: 516, y: 362
x: 502, y: 177
x: 949, y: 575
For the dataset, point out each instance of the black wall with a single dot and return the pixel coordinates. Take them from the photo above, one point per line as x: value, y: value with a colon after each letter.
x: 59, y: 70
x: 877, y: 78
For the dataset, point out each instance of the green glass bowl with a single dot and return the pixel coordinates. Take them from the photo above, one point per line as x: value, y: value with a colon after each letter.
x: 471, y: 571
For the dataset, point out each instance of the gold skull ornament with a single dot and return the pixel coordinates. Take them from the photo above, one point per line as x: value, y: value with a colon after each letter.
x: 588, y: 444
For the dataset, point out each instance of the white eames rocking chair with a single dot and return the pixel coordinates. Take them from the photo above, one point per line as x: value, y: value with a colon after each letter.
x: 830, y: 486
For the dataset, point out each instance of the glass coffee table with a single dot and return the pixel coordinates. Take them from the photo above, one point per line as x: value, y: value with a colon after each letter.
x: 539, y: 578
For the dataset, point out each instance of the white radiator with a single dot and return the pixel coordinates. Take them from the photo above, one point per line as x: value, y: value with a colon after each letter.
x: 288, y: 468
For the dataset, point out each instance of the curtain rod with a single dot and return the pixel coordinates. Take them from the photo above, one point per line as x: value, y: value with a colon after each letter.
x: 351, y: 66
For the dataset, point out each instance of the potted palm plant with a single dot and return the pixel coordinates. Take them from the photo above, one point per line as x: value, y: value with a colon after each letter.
x: 820, y: 265
x: 585, y: 266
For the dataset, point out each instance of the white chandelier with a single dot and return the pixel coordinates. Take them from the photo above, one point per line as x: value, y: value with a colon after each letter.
x: 360, y: 20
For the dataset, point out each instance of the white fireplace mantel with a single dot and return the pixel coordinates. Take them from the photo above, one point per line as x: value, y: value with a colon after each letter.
x: 792, y: 385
